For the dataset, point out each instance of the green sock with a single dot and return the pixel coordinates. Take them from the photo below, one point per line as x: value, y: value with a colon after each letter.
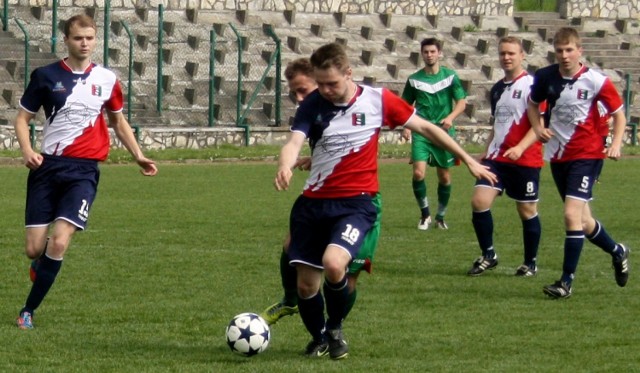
x: 444, y: 193
x: 351, y: 300
x: 420, y: 193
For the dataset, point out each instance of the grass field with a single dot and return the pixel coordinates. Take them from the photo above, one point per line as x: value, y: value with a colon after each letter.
x: 167, y: 261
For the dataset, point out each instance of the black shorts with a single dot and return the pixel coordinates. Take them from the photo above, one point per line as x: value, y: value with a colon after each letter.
x: 61, y: 188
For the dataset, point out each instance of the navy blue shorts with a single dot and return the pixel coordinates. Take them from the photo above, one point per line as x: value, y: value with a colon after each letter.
x: 61, y: 188
x: 575, y: 179
x: 317, y: 222
x: 520, y: 183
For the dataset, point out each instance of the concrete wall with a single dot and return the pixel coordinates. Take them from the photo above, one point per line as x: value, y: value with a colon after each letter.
x: 613, y: 9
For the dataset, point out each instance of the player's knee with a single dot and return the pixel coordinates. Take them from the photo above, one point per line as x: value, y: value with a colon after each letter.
x: 418, y: 175
x: 57, y: 246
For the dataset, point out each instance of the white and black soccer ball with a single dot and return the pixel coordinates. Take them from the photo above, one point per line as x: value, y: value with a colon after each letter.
x: 248, y: 334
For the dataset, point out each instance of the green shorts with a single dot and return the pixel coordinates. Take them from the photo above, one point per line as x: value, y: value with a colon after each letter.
x: 364, y: 259
x: 424, y: 150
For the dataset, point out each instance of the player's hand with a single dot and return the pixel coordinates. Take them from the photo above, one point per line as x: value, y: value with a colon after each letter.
x: 303, y: 164
x: 32, y: 160
x: 480, y: 171
x: 283, y: 177
x: 513, y: 153
x: 545, y: 135
x: 446, y: 123
x: 406, y: 134
x: 613, y: 152
x: 148, y: 167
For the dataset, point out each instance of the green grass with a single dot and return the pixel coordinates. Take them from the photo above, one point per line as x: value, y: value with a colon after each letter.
x: 167, y: 261
x: 536, y: 5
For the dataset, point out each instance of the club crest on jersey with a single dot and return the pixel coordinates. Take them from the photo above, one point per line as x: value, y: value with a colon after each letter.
x: 583, y: 94
x: 357, y: 119
x: 96, y: 90
x: 59, y: 87
x: 517, y: 94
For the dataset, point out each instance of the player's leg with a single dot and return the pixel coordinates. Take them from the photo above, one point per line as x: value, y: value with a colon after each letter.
x: 481, y: 201
x: 289, y: 303
x: 311, y: 306
x: 419, y: 157
x: 444, y: 194
x: 599, y: 237
x: 531, y: 232
x: 48, y: 268
x: 336, y: 293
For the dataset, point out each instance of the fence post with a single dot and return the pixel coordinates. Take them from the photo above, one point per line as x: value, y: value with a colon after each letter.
x: 278, y: 80
x: 26, y: 53
x: 54, y: 26
x: 212, y: 75
x: 136, y: 129
x: 107, y: 24
x: 5, y: 15
x: 239, y: 122
x: 160, y: 42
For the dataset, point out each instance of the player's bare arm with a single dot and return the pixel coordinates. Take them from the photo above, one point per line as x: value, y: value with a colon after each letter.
x: 443, y: 140
x: 619, y: 124
x: 535, y: 118
x: 287, y: 161
x: 458, y: 109
x: 125, y: 134
x: 515, y: 152
x: 31, y: 159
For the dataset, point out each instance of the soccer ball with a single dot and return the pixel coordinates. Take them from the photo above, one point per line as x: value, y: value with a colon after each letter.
x: 248, y: 334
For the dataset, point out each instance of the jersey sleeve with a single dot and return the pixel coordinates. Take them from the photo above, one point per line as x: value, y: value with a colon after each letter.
x: 395, y: 111
x: 609, y: 96
x: 31, y: 100
x: 538, y: 92
x: 458, y: 90
x: 409, y: 93
x: 115, y: 102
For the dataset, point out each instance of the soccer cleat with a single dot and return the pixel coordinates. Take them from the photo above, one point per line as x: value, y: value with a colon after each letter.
x: 526, y: 271
x: 24, y: 321
x: 277, y: 311
x: 424, y: 223
x: 440, y: 224
x: 558, y: 290
x: 33, y: 269
x: 316, y: 349
x: 621, y: 267
x: 482, y: 264
x: 338, y: 348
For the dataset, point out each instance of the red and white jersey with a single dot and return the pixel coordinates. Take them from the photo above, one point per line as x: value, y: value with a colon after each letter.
x: 511, y: 123
x: 572, y: 112
x: 73, y: 103
x: 344, y: 140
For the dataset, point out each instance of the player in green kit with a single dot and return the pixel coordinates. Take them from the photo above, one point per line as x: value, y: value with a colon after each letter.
x: 299, y: 75
x: 438, y: 96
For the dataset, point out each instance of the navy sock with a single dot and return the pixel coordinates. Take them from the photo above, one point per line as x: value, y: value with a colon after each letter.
x: 573, y: 242
x: 312, y: 315
x: 288, y: 275
x: 45, y: 276
x: 483, y: 225
x: 531, y: 231
x: 600, y: 238
x: 336, y: 296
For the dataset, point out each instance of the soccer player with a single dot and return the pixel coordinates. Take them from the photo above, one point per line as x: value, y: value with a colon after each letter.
x: 299, y: 75
x: 63, y: 178
x: 328, y: 222
x: 575, y: 150
x: 515, y: 156
x: 438, y: 96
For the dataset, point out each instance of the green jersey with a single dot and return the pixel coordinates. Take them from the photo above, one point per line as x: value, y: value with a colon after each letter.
x: 433, y: 95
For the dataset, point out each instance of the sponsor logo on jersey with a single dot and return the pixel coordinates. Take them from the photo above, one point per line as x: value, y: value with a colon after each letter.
x: 517, y: 94
x: 357, y: 119
x: 583, y: 94
x: 59, y: 87
x: 96, y: 90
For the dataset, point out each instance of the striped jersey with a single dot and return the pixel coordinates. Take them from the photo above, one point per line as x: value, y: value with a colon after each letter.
x: 511, y: 123
x: 572, y: 111
x: 433, y: 94
x: 73, y: 103
x: 344, y: 140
